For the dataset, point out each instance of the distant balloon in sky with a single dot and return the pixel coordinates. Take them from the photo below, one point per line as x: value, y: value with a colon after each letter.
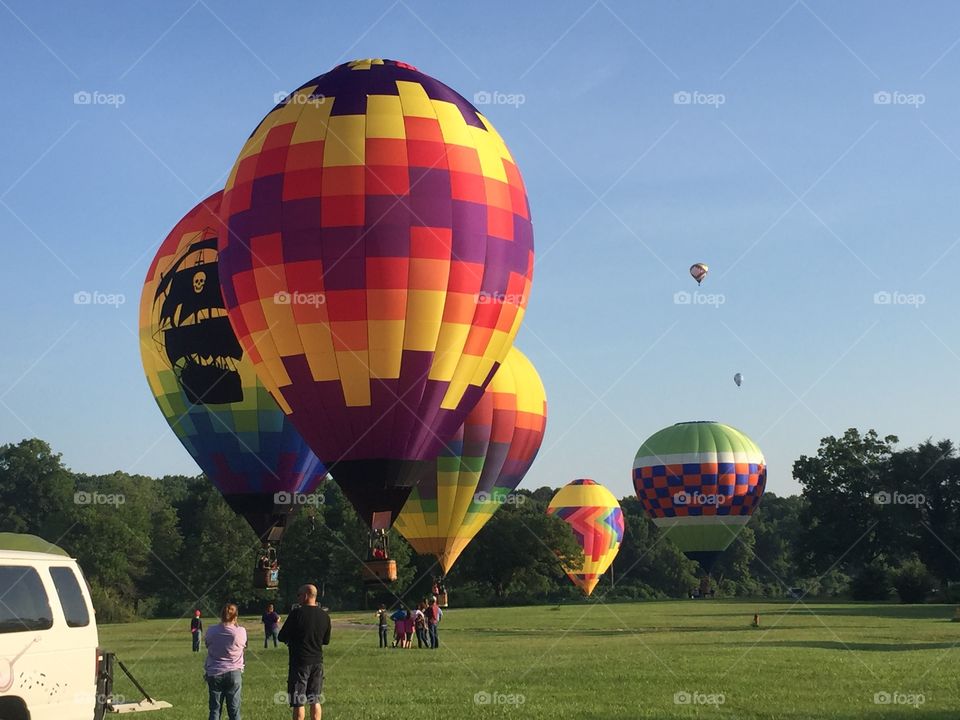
x: 205, y: 384
x: 738, y: 379
x: 376, y: 269
x: 700, y: 482
x: 698, y: 271
x: 597, y: 522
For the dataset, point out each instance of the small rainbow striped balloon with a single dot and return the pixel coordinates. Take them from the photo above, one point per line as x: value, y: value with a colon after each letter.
x: 597, y: 521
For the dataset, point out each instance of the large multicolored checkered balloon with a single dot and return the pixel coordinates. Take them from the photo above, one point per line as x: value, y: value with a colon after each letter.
x: 376, y: 269
x: 597, y: 521
x: 207, y: 390
x: 700, y: 481
x: 480, y: 466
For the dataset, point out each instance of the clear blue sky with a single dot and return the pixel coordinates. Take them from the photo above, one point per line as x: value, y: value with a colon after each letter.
x: 804, y: 194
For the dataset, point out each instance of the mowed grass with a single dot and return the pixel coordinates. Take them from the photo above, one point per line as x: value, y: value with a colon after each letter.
x: 596, y: 661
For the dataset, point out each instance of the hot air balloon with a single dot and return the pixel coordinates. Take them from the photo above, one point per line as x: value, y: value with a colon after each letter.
x: 480, y: 465
x: 208, y: 391
x: 597, y: 521
x: 698, y: 271
x: 700, y: 482
x: 376, y: 270
x: 738, y: 379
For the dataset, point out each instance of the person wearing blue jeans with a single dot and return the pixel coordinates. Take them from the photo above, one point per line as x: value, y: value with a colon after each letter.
x: 433, y: 619
x: 223, y: 668
x: 225, y: 690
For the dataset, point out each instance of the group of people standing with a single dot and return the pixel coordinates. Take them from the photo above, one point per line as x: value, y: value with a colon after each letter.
x: 305, y: 632
x: 421, y: 621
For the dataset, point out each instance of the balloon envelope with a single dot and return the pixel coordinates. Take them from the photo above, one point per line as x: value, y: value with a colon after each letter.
x: 480, y: 466
x: 738, y: 379
x: 698, y: 271
x: 206, y: 387
x: 597, y: 521
x: 700, y: 482
x: 376, y: 269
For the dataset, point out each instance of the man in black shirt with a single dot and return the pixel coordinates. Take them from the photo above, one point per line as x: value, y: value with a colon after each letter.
x: 305, y: 632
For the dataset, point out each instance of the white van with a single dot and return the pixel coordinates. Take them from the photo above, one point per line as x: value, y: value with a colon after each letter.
x: 48, y: 634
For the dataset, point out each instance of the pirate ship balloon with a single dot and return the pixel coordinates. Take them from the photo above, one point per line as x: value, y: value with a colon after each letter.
x: 193, y: 330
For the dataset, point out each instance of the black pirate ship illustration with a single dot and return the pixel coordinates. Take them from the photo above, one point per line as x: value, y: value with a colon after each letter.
x: 193, y: 330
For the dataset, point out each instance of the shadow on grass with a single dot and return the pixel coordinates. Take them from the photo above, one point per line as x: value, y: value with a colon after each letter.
x: 858, y: 646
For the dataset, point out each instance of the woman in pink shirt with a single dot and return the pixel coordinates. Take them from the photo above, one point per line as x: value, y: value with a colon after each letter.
x: 224, y: 666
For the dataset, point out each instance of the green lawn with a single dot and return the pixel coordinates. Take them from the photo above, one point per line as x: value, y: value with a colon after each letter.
x: 597, y: 661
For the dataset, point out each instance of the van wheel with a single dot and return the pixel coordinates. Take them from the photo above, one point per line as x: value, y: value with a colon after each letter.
x: 13, y: 708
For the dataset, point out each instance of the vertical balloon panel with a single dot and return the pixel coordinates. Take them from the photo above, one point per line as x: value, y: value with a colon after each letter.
x: 481, y: 466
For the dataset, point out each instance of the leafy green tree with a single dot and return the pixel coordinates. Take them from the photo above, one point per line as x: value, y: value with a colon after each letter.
x: 36, y: 490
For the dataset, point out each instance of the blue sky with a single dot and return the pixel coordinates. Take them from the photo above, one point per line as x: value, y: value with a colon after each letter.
x: 816, y: 164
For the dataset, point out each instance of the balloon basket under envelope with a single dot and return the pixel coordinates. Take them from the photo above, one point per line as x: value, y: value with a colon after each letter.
x: 376, y: 572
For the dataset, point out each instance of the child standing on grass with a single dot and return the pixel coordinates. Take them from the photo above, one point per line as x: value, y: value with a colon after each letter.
x: 382, y: 625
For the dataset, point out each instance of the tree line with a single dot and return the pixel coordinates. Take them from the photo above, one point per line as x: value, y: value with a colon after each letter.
x: 872, y: 522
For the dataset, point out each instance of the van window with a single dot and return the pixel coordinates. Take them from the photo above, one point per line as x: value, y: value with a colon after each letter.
x: 74, y: 605
x: 23, y: 604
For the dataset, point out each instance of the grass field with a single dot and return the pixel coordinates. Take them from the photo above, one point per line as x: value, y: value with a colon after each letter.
x: 639, y: 660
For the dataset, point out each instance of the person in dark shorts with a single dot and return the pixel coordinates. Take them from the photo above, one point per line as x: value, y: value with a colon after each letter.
x: 271, y: 625
x: 305, y: 632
